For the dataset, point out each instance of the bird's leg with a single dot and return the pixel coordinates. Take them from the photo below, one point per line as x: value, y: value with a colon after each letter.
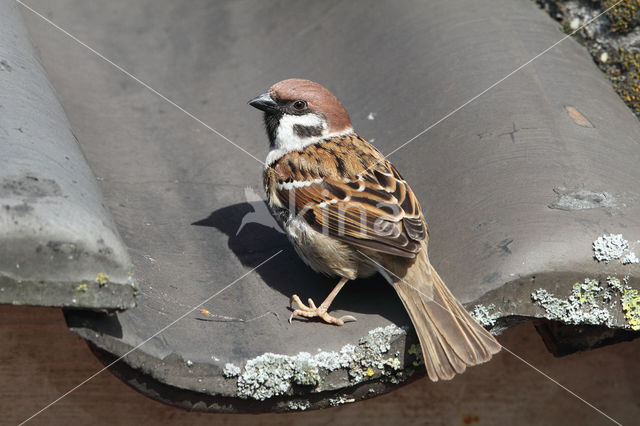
x: 312, y: 311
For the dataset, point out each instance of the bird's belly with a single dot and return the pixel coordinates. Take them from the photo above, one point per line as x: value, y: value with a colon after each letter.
x: 325, y: 254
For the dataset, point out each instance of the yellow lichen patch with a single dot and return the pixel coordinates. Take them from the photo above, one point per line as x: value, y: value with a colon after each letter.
x: 82, y: 287
x: 369, y: 372
x: 578, y: 294
x: 102, y: 279
x: 631, y: 307
x: 585, y: 292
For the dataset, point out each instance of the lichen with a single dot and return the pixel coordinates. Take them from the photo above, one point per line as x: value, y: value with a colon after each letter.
x: 580, y: 307
x: 273, y: 374
x: 102, y: 279
x: 299, y: 404
x: 609, y: 247
x: 483, y: 315
x: 82, y: 287
x: 393, y: 363
x: 631, y: 307
x: 629, y: 258
x: 231, y: 370
x: 593, y: 303
x: 270, y: 374
x: 370, y: 351
x: 340, y: 400
x: 614, y: 283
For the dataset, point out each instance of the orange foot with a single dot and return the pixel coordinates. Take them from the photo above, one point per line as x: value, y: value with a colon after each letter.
x: 312, y: 311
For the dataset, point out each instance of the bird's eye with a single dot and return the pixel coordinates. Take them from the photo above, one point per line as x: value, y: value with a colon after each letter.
x: 299, y: 105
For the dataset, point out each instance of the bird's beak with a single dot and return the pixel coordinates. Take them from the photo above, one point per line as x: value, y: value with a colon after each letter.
x: 264, y: 103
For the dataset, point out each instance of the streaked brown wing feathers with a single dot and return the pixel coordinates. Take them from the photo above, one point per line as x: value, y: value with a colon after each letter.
x: 375, y: 209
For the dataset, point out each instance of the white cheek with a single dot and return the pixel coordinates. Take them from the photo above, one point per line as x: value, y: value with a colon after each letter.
x: 287, y: 140
x: 286, y: 137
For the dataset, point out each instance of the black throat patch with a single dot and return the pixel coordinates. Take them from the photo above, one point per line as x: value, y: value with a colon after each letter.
x: 271, y: 123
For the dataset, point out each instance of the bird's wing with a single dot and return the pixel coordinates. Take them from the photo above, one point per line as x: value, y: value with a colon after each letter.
x: 375, y: 209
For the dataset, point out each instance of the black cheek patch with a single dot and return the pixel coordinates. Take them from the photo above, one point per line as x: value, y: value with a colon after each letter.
x: 307, y: 131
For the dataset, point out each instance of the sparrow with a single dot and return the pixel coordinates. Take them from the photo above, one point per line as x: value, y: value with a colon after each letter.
x: 349, y: 214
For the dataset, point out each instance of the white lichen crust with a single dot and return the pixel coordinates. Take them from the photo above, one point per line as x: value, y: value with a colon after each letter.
x: 593, y: 303
x: 299, y: 405
x: 613, y: 246
x: 629, y: 258
x: 340, y: 400
x: 270, y: 374
x: 485, y: 315
x: 231, y: 370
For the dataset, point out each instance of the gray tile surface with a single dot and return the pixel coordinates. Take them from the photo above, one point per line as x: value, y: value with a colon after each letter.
x: 486, y: 176
x: 59, y: 245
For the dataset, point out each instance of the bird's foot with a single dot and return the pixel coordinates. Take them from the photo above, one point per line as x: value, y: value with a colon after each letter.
x: 312, y: 311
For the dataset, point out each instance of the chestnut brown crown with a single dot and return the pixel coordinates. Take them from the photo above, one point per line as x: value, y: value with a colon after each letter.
x: 318, y: 98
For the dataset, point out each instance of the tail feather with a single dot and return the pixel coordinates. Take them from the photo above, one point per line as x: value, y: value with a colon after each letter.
x: 450, y: 338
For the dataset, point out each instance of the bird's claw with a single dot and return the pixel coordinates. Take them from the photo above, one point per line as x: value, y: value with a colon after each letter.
x: 348, y: 318
x: 312, y: 311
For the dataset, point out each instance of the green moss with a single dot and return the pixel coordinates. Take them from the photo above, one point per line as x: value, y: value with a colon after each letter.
x: 612, y: 42
x: 624, y: 16
x: 624, y: 73
x: 416, y: 351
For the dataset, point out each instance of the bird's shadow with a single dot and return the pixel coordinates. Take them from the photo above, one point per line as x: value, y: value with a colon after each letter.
x: 254, y: 235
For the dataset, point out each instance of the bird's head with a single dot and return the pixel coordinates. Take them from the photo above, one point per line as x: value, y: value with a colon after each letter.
x: 299, y: 112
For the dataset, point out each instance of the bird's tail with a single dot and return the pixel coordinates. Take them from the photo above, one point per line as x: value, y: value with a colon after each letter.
x: 450, y: 338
